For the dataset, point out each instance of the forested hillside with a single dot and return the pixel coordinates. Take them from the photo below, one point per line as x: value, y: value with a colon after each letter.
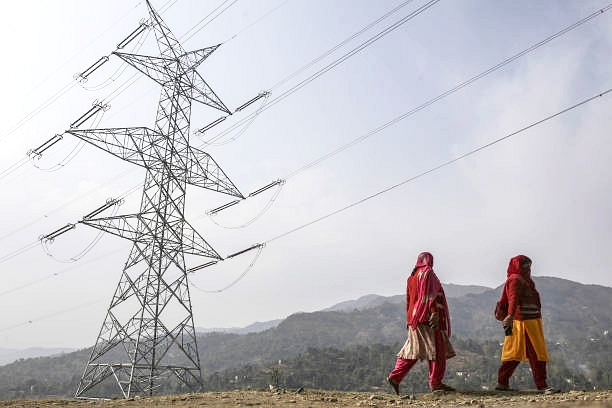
x: 354, y: 350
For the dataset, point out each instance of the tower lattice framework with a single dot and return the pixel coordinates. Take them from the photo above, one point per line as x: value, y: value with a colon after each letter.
x: 148, y: 334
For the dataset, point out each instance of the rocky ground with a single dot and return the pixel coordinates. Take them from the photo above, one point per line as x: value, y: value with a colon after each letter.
x: 329, y: 399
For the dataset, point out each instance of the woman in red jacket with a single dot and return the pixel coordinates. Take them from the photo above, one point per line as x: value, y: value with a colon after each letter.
x: 524, y: 339
x: 428, y: 324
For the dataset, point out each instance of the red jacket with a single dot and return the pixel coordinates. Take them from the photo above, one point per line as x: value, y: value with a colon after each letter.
x: 523, y: 298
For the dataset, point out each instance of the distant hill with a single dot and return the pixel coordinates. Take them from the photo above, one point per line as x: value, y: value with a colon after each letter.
x: 252, y: 328
x: 370, y: 301
x: 575, y: 316
x: 10, y: 355
x: 571, y: 311
x: 362, y: 303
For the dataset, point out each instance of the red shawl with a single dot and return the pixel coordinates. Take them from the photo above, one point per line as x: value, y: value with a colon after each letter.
x: 516, y: 273
x: 429, y: 295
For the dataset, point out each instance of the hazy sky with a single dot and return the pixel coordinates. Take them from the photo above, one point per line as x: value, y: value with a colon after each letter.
x: 544, y: 192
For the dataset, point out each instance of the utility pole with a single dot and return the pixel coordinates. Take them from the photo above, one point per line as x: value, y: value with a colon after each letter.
x: 148, y: 335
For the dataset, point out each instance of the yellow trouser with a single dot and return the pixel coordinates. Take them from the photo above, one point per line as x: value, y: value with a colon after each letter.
x: 515, y: 345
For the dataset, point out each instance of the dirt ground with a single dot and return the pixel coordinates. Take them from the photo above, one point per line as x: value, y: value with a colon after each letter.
x: 330, y: 399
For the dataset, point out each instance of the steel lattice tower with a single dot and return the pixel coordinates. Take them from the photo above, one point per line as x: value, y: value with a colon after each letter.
x: 148, y: 334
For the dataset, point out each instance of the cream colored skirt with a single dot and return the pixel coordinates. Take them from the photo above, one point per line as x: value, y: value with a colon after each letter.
x: 421, y: 344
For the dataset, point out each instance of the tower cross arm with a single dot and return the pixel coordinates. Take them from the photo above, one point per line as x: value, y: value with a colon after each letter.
x: 194, y: 244
x: 201, y: 92
x: 203, y: 171
x: 124, y: 226
x: 159, y: 69
x: 134, y: 144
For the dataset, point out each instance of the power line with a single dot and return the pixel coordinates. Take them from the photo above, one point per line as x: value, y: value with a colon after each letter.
x: 49, y: 101
x: 189, y: 36
x: 74, y: 199
x: 130, y: 81
x: 61, y: 272
x: 451, y: 90
x: 47, y: 316
x: 441, y: 165
x: 448, y: 162
x: 331, y: 65
x: 19, y: 251
x: 369, y: 197
x: 13, y: 167
x: 425, y: 104
x: 342, y: 43
x: 402, y: 116
x: 256, y: 21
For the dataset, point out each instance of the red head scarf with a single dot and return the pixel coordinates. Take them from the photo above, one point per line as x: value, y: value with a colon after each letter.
x: 424, y: 260
x: 430, y: 293
x: 521, y: 265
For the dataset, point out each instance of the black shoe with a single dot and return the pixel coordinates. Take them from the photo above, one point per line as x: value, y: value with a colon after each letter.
x: 501, y: 387
x: 443, y: 387
x: 394, y: 385
x: 549, y: 390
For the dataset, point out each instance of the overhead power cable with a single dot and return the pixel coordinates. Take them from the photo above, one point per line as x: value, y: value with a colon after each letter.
x: 439, y: 97
x: 442, y: 165
x: 408, y: 180
x: 134, y: 77
x: 56, y: 313
x: 6, y: 291
x: 330, y: 66
x: 411, y: 111
x: 19, y: 251
x: 381, y: 192
x: 14, y: 167
x: 445, y: 163
x: 80, y: 51
x: 258, y: 247
x: 450, y: 91
x: 188, y: 35
x: 425, y: 104
x: 256, y: 21
x: 429, y: 102
x: 341, y: 44
x: 74, y: 199
x: 49, y: 101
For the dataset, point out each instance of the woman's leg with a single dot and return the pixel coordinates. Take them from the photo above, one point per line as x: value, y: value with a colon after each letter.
x: 402, y: 366
x: 538, y: 368
x: 437, y: 367
x: 505, y: 372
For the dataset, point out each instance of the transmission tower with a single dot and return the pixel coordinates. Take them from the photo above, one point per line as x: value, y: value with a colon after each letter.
x: 148, y: 334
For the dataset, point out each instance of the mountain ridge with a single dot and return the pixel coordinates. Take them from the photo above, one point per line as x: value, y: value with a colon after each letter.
x: 576, y: 323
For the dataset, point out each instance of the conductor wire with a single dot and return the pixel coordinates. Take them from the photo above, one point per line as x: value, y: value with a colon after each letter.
x: 337, y: 62
x: 442, y: 165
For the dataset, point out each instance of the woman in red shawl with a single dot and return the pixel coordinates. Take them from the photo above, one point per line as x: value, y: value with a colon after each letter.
x: 428, y: 324
x: 524, y: 339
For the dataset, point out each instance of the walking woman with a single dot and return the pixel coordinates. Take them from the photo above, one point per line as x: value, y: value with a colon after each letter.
x: 428, y: 324
x: 524, y: 339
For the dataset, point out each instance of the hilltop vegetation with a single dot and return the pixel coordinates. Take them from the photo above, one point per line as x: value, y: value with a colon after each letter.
x: 354, y: 350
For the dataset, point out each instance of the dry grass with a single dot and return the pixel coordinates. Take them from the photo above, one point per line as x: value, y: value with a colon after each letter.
x: 329, y: 399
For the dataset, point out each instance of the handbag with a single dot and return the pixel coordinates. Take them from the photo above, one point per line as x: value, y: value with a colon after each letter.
x: 501, y: 307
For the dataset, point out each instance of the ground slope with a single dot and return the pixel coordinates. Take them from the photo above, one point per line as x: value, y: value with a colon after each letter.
x: 329, y: 399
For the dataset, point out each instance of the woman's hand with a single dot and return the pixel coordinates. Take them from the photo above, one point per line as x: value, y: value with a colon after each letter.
x: 434, y: 320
